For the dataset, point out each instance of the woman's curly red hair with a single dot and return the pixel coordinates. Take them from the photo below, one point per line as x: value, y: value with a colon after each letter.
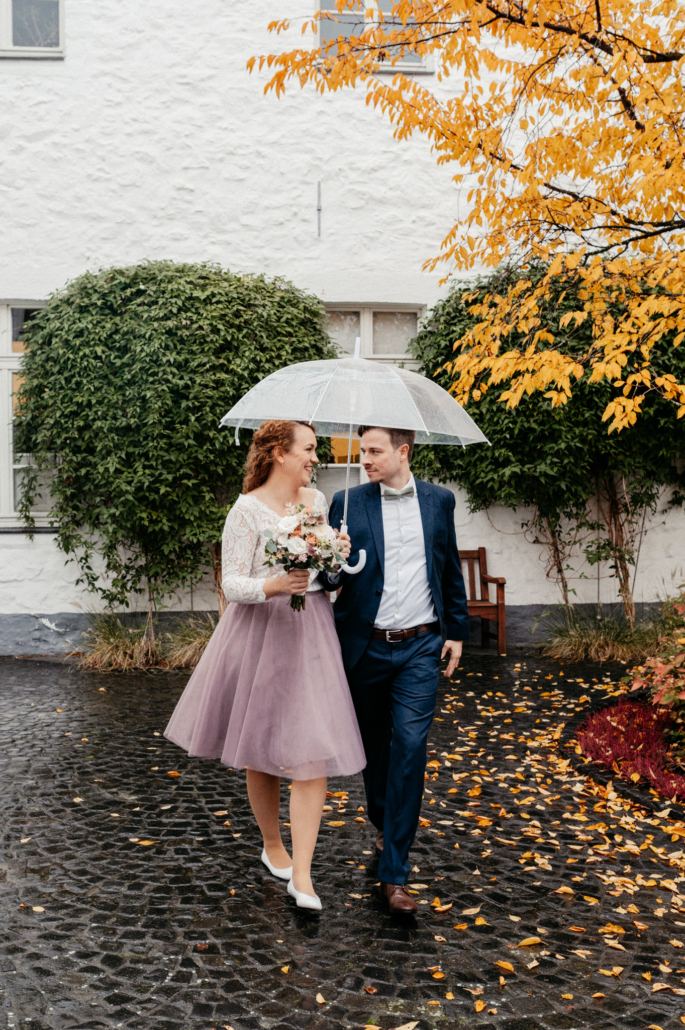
x: 260, y: 457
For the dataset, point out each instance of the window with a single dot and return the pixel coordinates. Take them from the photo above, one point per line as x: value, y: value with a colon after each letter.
x: 385, y: 330
x: 13, y: 318
x: 353, y: 23
x: 31, y: 28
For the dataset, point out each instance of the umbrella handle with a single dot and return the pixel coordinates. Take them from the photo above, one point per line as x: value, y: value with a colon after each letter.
x: 353, y: 570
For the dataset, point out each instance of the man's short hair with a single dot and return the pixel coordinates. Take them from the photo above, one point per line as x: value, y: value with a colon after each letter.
x: 397, y: 437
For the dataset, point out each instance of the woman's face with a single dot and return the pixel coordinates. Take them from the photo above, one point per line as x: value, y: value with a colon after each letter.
x: 299, y: 461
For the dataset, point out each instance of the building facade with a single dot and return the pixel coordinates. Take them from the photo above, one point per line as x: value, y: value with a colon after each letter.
x: 134, y: 132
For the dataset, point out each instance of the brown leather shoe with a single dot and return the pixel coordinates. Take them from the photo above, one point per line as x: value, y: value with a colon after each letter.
x: 398, y: 900
x: 379, y: 840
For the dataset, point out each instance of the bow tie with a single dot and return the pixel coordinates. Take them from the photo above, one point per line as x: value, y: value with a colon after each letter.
x: 391, y: 495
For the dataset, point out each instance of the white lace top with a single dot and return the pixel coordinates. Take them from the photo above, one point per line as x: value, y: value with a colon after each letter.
x: 243, y: 542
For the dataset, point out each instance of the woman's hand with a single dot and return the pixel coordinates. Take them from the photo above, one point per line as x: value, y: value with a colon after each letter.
x: 346, y: 545
x: 295, y: 582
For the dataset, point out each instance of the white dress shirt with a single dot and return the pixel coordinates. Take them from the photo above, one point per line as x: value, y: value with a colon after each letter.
x: 406, y: 599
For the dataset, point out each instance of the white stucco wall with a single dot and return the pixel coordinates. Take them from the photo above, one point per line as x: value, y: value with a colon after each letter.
x: 150, y: 140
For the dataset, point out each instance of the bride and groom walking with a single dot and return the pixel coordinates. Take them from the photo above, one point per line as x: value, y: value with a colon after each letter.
x: 281, y: 694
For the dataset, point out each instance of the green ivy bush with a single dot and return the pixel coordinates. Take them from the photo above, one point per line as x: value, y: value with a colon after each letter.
x: 557, y: 460
x: 126, y: 376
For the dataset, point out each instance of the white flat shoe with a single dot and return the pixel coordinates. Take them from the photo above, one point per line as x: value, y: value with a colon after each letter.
x: 282, y: 874
x: 304, y: 900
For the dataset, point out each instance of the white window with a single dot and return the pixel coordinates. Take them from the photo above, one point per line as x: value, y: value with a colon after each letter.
x: 385, y: 330
x: 32, y: 28
x: 13, y: 318
x: 353, y: 23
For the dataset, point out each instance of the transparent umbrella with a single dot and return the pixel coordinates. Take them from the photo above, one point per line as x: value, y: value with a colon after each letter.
x: 340, y: 394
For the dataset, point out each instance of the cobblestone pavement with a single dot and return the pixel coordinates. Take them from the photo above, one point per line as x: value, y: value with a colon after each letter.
x: 133, y: 895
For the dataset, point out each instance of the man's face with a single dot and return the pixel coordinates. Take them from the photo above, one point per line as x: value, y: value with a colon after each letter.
x: 380, y: 460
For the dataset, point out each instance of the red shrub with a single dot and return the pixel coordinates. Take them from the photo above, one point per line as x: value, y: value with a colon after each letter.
x: 629, y: 738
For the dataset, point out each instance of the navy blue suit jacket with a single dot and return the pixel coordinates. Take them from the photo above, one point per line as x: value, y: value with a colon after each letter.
x: 356, y: 607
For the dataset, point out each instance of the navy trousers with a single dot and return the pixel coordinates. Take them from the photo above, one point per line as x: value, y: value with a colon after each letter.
x: 394, y: 689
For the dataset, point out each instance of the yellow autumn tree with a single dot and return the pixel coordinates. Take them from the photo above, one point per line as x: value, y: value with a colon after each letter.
x: 564, y: 122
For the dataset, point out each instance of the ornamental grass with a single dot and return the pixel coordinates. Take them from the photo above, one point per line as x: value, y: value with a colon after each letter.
x: 110, y: 645
x: 576, y: 635
x: 631, y: 739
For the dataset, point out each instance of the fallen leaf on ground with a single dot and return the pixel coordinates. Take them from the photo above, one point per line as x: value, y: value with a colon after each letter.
x: 321, y: 1000
x: 471, y: 911
x: 442, y: 940
x: 461, y: 926
x: 528, y: 941
x: 564, y: 890
x: 371, y: 990
x: 647, y: 977
x: 676, y: 943
x: 443, y: 908
x: 146, y: 843
x: 578, y: 929
x: 515, y: 919
x: 660, y: 987
x: 481, y: 921
x: 285, y: 969
x: 479, y: 1006
x: 173, y: 772
x: 78, y: 800
x: 38, y: 908
x: 598, y: 995
x: 505, y: 965
x: 438, y: 976
x: 590, y: 900
x: 337, y: 822
x: 611, y: 928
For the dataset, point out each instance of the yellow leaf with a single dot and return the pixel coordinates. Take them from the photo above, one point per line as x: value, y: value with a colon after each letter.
x: 461, y: 926
x: 285, y: 969
x: 438, y: 976
x: 564, y: 890
x: 480, y: 1005
x: 480, y: 921
x: 471, y: 911
x: 507, y: 966
x: 337, y: 822
x: 528, y: 941
x: 321, y: 1000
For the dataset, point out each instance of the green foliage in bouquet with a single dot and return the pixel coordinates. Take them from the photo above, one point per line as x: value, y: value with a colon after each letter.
x: 126, y: 376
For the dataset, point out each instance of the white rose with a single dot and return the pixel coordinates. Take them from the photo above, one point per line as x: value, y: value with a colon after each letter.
x: 326, y: 534
x: 296, y: 545
x: 287, y: 524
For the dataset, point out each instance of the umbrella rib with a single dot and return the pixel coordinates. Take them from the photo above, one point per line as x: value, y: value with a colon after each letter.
x: 394, y: 372
x: 323, y: 391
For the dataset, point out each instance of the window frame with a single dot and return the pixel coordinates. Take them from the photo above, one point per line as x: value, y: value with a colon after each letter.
x: 10, y: 365
x: 8, y: 50
x: 366, y: 312
x: 426, y: 65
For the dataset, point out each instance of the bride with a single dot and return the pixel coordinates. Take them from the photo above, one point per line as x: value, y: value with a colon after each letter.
x: 270, y: 693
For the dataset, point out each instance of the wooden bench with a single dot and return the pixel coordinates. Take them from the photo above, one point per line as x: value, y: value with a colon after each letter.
x: 488, y: 611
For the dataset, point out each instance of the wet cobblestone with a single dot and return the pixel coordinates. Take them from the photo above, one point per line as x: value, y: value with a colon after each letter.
x: 134, y: 898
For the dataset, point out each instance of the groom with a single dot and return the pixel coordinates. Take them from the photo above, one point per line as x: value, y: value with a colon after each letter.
x: 391, y: 619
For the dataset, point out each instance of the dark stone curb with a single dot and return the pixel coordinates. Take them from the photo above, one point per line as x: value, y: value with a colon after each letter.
x: 638, y: 795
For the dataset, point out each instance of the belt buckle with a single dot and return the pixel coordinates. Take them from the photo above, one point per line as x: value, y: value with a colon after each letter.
x: 388, y: 636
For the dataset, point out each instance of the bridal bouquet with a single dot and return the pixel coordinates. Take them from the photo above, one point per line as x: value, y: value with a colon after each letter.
x: 303, y: 540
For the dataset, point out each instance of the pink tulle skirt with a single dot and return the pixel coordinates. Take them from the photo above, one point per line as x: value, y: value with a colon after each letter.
x: 270, y: 694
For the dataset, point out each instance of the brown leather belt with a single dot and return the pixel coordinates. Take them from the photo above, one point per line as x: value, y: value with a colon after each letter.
x: 396, y: 636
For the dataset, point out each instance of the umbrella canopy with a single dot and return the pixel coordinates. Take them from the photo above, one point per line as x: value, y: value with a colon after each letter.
x: 339, y: 394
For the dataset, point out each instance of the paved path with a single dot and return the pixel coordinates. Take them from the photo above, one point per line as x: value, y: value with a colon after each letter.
x: 132, y: 898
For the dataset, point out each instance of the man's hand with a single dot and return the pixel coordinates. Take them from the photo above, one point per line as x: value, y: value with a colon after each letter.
x: 454, y: 648
x: 346, y: 545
